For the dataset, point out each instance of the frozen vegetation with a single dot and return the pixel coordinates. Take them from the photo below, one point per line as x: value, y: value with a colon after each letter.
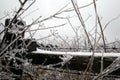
x: 22, y: 58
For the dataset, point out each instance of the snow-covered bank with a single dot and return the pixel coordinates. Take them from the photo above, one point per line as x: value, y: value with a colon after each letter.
x: 39, y: 51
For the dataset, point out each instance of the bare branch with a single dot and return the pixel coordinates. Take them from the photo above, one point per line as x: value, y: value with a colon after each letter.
x: 82, y: 7
x: 99, y: 22
x: 21, y: 2
x: 107, y: 24
x: 81, y: 21
x: 49, y: 27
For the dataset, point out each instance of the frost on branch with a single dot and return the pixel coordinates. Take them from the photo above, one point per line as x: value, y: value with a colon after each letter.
x: 65, y: 59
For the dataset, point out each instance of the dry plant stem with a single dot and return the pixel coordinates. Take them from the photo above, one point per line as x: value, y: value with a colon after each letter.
x: 116, y: 61
x: 81, y: 21
x: 82, y: 7
x: 60, y: 11
x: 76, y: 33
x: 2, y: 30
x: 24, y: 10
x: 32, y: 34
x: 96, y: 34
x: 95, y: 40
x: 44, y: 37
x: 98, y: 19
x: 29, y: 13
x: 114, y: 66
x: 89, y: 66
x: 49, y: 27
x: 2, y: 52
x: 3, y: 17
x: 19, y: 10
x: 107, y: 25
x: 52, y: 16
x: 27, y: 27
x: 15, y: 17
x: 17, y: 58
x: 62, y: 39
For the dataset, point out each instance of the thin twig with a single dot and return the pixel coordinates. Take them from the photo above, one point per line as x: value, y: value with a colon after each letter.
x: 49, y: 27
x: 100, y: 25
x: 108, y: 23
x: 89, y: 41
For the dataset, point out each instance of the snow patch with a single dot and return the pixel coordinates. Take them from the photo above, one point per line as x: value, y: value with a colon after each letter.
x: 39, y: 51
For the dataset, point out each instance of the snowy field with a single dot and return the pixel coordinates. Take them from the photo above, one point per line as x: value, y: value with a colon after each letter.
x: 111, y: 54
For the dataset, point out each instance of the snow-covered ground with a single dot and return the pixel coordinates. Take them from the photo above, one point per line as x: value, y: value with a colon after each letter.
x: 39, y: 51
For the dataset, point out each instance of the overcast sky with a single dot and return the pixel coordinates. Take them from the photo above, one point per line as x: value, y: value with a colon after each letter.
x: 107, y: 9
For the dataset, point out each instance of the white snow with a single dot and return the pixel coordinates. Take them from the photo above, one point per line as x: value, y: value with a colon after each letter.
x: 66, y: 58
x: 39, y: 51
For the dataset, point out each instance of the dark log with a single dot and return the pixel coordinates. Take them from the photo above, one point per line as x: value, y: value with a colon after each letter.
x: 76, y: 63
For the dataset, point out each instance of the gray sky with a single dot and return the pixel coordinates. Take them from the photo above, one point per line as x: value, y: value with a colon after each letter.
x: 107, y: 9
